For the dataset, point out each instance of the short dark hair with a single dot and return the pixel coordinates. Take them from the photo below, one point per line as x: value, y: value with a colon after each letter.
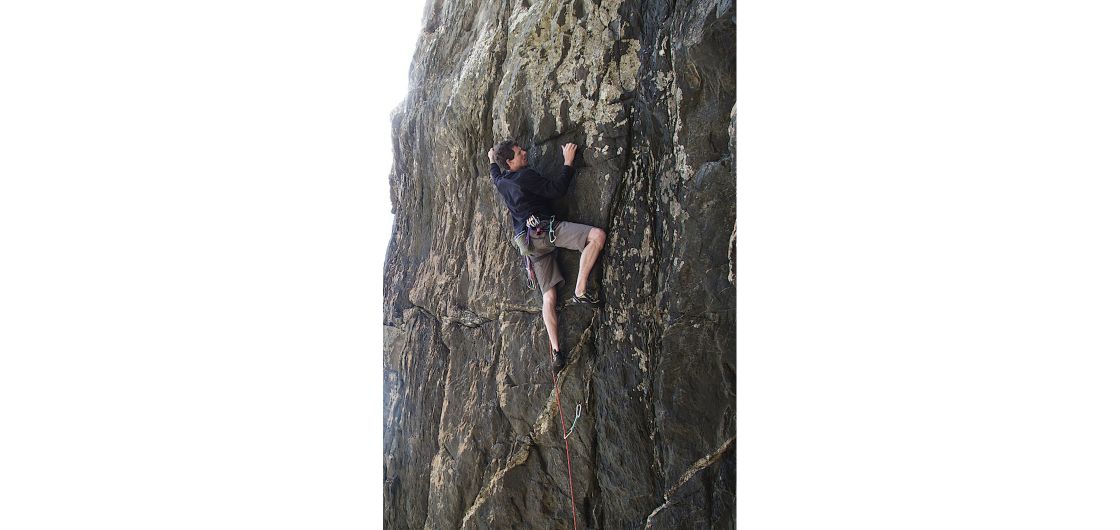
x: 504, y: 152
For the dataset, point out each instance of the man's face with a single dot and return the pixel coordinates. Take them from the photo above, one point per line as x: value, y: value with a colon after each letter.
x: 520, y: 158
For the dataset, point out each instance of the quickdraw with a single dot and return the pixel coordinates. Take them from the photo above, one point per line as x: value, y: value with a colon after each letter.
x: 579, y: 409
x: 532, y: 281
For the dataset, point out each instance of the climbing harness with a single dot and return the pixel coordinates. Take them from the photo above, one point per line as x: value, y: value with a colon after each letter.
x: 567, y: 453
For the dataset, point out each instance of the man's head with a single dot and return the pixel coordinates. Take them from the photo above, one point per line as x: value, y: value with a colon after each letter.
x: 511, y: 156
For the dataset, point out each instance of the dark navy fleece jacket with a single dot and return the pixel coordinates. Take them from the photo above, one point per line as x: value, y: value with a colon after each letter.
x: 527, y: 192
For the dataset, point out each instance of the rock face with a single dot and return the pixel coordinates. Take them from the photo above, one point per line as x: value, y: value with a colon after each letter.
x: 472, y: 429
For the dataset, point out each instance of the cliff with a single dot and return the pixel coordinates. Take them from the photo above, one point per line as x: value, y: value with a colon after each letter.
x: 472, y: 431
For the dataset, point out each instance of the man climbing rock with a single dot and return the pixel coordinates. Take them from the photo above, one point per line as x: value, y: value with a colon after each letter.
x: 538, y: 233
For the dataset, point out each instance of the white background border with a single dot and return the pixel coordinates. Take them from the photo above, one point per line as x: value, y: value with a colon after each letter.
x: 190, y: 263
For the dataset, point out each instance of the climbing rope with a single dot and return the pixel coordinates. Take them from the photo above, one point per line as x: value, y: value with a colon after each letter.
x: 564, y: 427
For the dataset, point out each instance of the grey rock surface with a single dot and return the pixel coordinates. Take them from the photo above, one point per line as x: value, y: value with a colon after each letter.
x: 472, y: 430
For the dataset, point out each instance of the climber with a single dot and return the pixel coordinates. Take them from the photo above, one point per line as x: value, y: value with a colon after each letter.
x: 538, y: 233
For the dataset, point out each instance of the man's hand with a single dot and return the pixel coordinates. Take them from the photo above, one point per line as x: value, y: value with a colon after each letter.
x: 493, y: 157
x: 569, y: 154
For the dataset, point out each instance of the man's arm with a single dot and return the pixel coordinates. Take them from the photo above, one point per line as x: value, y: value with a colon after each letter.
x: 569, y: 154
x: 554, y: 189
x: 495, y: 171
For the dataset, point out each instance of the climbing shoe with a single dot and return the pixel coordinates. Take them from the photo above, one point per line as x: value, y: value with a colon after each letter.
x: 559, y: 359
x: 585, y: 298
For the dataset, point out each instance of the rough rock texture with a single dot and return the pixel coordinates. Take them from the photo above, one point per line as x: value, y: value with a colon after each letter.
x: 472, y: 431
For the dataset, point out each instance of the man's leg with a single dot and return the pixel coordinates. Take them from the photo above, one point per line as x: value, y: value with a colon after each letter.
x: 595, y: 241
x: 548, y: 311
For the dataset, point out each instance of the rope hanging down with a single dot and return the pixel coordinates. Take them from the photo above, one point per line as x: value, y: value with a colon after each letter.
x: 567, y: 453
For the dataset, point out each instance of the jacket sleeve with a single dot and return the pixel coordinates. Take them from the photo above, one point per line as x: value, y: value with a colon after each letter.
x: 495, y: 173
x: 555, y: 188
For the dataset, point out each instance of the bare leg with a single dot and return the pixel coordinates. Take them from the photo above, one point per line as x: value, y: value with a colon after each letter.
x: 595, y: 241
x: 548, y: 311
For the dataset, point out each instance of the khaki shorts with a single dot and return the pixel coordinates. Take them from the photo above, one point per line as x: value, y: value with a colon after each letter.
x: 568, y: 235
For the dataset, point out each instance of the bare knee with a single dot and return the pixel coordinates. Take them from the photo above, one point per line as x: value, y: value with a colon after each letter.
x: 549, y: 298
x: 597, y: 236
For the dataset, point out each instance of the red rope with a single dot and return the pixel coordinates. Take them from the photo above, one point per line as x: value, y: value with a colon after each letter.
x: 564, y: 429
